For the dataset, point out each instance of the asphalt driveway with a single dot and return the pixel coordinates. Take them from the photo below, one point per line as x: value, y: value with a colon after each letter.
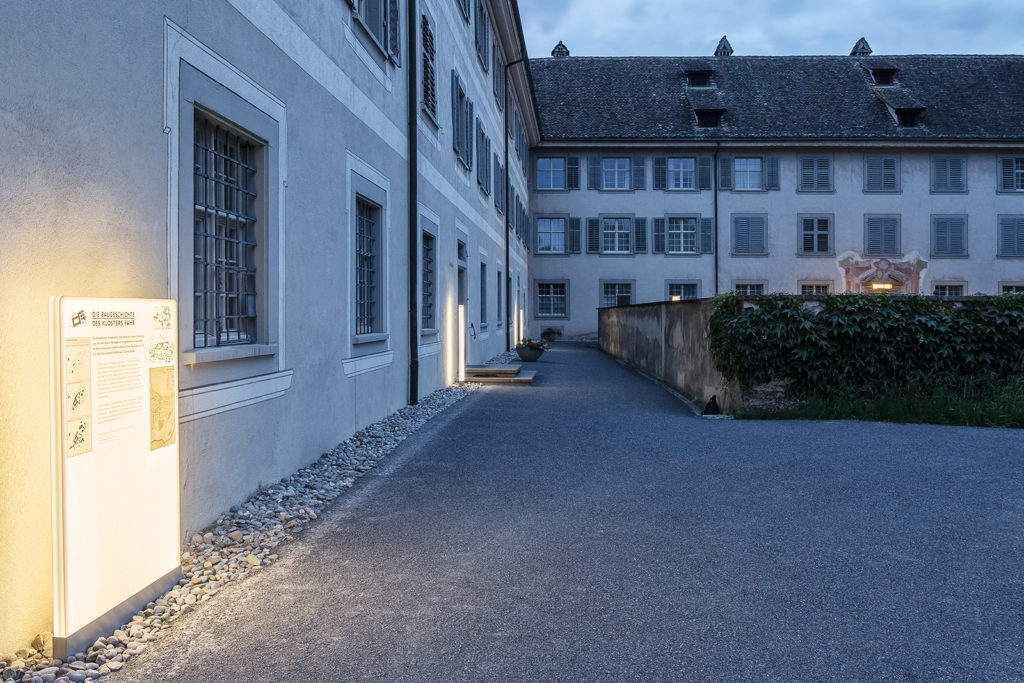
x: 589, y: 528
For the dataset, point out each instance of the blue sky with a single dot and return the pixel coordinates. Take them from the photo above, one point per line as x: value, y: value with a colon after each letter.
x: 773, y: 27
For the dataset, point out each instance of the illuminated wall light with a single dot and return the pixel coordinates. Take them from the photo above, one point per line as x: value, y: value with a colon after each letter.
x: 462, y: 343
x: 450, y: 339
x: 881, y: 286
x: 675, y: 297
x: 522, y: 324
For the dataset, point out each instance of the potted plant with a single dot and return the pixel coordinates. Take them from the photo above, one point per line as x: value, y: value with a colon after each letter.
x: 530, y: 350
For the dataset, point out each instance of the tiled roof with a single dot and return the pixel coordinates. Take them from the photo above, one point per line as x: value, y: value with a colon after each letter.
x: 965, y: 97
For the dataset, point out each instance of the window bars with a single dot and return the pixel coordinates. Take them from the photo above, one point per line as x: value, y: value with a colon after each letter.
x: 224, y: 263
x: 427, y: 320
x: 367, y: 224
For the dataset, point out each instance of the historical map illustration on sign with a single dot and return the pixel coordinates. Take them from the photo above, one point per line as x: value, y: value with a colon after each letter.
x: 78, y: 395
x: 162, y: 423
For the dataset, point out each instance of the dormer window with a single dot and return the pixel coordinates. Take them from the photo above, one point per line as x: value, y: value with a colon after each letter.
x: 883, y: 76
x: 699, y: 78
x: 908, y: 117
x: 709, y: 118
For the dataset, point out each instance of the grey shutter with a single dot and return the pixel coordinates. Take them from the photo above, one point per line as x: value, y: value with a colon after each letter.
x: 574, y: 236
x: 808, y: 236
x: 1006, y: 178
x: 593, y: 173
x: 1011, y: 236
x: 455, y: 111
x: 639, y: 173
x: 725, y: 173
x: 874, y: 236
x: 941, y: 237
x: 823, y: 174
x: 940, y: 174
x: 957, y: 235
x: 771, y: 173
x: 468, y: 152
x: 660, y: 167
x: 889, y: 235
x: 707, y: 236
x: 639, y: 235
x: 741, y: 235
x: 957, y: 181
x: 659, y: 236
x: 757, y: 241
x: 572, y: 173
x: 807, y: 173
x: 593, y: 236
x: 873, y: 173
x: 891, y: 174
x: 354, y: 4
x: 394, y: 28
x: 704, y: 173
x: 497, y: 180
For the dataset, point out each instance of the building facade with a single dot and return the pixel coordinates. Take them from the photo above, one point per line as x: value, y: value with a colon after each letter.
x: 254, y: 160
x: 808, y: 175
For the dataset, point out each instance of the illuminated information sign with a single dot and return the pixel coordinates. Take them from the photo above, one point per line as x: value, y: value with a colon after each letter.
x: 115, y: 462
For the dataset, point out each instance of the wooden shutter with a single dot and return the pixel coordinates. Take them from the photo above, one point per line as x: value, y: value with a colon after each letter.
x: 593, y: 172
x: 890, y: 174
x: 660, y: 166
x: 455, y: 111
x: 873, y: 238
x: 1006, y: 175
x: 956, y: 173
x: 704, y: 173
x: 394, y: 31
x: 593, y: 236
x: 573, y: 237
x: 823, y: 173
x: 468, y: 152
x: 957, y: 236
x: 659, y: 236
x: 890, y: 236
x: 1007, y: 236
x: 940, y: 174
x: 725, y: 173
x: 707, y: 236
x: 741, y: 235
x: 873, y: 173
x: 639, y: 173
x: 757, y: 241
x: 572, y: 173
x: 806, y: 173
x: 639, y: 235
x: 771, y: 173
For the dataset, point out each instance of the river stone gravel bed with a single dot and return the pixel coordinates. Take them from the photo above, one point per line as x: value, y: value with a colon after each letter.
x: 241, y: 541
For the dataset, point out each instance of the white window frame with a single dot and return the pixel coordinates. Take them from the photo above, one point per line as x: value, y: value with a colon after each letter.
x: 612, y: 228
x: 945, y: 284
x: 676, y: 227
x: 616, y: 174
x: 603, y: 291
x: 748, y: 173
x: 816, y: 217
x: 685, y: 178
x: 553, y: 298
x: 550, y: 173
x: 745, y: 284
x: 546, y: 226
x: 815, y: 284
x: 669, y: 284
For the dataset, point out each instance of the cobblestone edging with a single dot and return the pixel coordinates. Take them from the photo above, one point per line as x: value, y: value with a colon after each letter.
x: 241, y: 541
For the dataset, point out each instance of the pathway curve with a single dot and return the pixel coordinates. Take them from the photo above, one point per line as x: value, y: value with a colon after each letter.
x: 589, y: 528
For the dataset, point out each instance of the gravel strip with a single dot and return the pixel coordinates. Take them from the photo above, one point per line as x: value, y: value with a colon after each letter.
x: 241, y: 541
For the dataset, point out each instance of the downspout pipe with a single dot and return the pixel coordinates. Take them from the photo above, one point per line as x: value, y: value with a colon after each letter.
x: 413, y: 123
x: 508, y: 186
x: 714, y: 184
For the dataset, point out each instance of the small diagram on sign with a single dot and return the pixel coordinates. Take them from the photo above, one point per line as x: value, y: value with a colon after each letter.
x: 78, y: 400
x: 161, y: 352
x: 77, y: 359
x: 162, y: 317
x: 162, y: 423
x: 79, y: 437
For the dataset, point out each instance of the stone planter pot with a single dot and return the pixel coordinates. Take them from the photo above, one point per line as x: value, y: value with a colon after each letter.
x: 527, y: 354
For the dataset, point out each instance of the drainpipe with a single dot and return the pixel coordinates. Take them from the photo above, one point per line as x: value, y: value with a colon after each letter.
x: 413, y: 122
x: 714, y: 186
x: 508, y: 186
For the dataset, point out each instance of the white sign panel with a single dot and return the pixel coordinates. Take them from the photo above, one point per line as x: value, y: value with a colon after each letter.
x: 115, y: 459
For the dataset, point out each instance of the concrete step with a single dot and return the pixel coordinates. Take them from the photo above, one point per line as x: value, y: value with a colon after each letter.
x: 492, y: 370
x: 524, y: 377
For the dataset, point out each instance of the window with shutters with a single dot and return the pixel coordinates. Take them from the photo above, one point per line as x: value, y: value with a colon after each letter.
x: 616, y: 293
x: 499, y: 304
x: 815, y: 288
x: 815, y: 234
x: 552, y: 299
x: 681, y: 173
x: 749, y: 288
x: 464, y: 8
x: 949, y: 235
x: 499, y: 186
x: 483, y: 35
x: 881, y: 173
x: 748, y: 235
x: 498, y: 76
x: 815, y: 174
x: 1011, y: 236
x: 551, y: 235
x: 948, y: 290
x: 429, y: 67
x: 1011, y: 174
x: 483, y: 158
x: 949, y: 173
x: 615, y: 235
x: 382, y: 20
x: 678, y: 290
x: 615, y: 173
x: 462, y: 122
x: 681, y: 235
x: 483, y: 295
x: 550, y: 173
x: 747, y: 173
x: 429, y: 282
x: 882, y: 235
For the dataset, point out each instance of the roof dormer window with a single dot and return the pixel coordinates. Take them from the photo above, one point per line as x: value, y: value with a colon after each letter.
x: 699, y: 78
x: 883, y: 76
x: 908, y: 117
x: 709, y: 118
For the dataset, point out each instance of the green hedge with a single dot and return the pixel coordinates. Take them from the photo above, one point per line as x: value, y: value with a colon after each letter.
x: 867, y: 343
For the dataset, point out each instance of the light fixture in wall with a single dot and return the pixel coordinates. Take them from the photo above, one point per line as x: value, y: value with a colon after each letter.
x: 675, y: 297
x: 881, y: 286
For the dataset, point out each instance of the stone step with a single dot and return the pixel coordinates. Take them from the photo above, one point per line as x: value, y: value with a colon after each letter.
x: 524, y: 377
x: 492, y: 370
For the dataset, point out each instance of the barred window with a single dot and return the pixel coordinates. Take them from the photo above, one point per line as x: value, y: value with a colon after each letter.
x: 682, y: 290
x: 428, y: 321
x: 483, y: 295
x: 815, y: 288
x: 616, y: 294
x: 225, y: 296
x: 551, y: 300
x: 750, y: 289
x: 367, y: 265
x: 949, y: 290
